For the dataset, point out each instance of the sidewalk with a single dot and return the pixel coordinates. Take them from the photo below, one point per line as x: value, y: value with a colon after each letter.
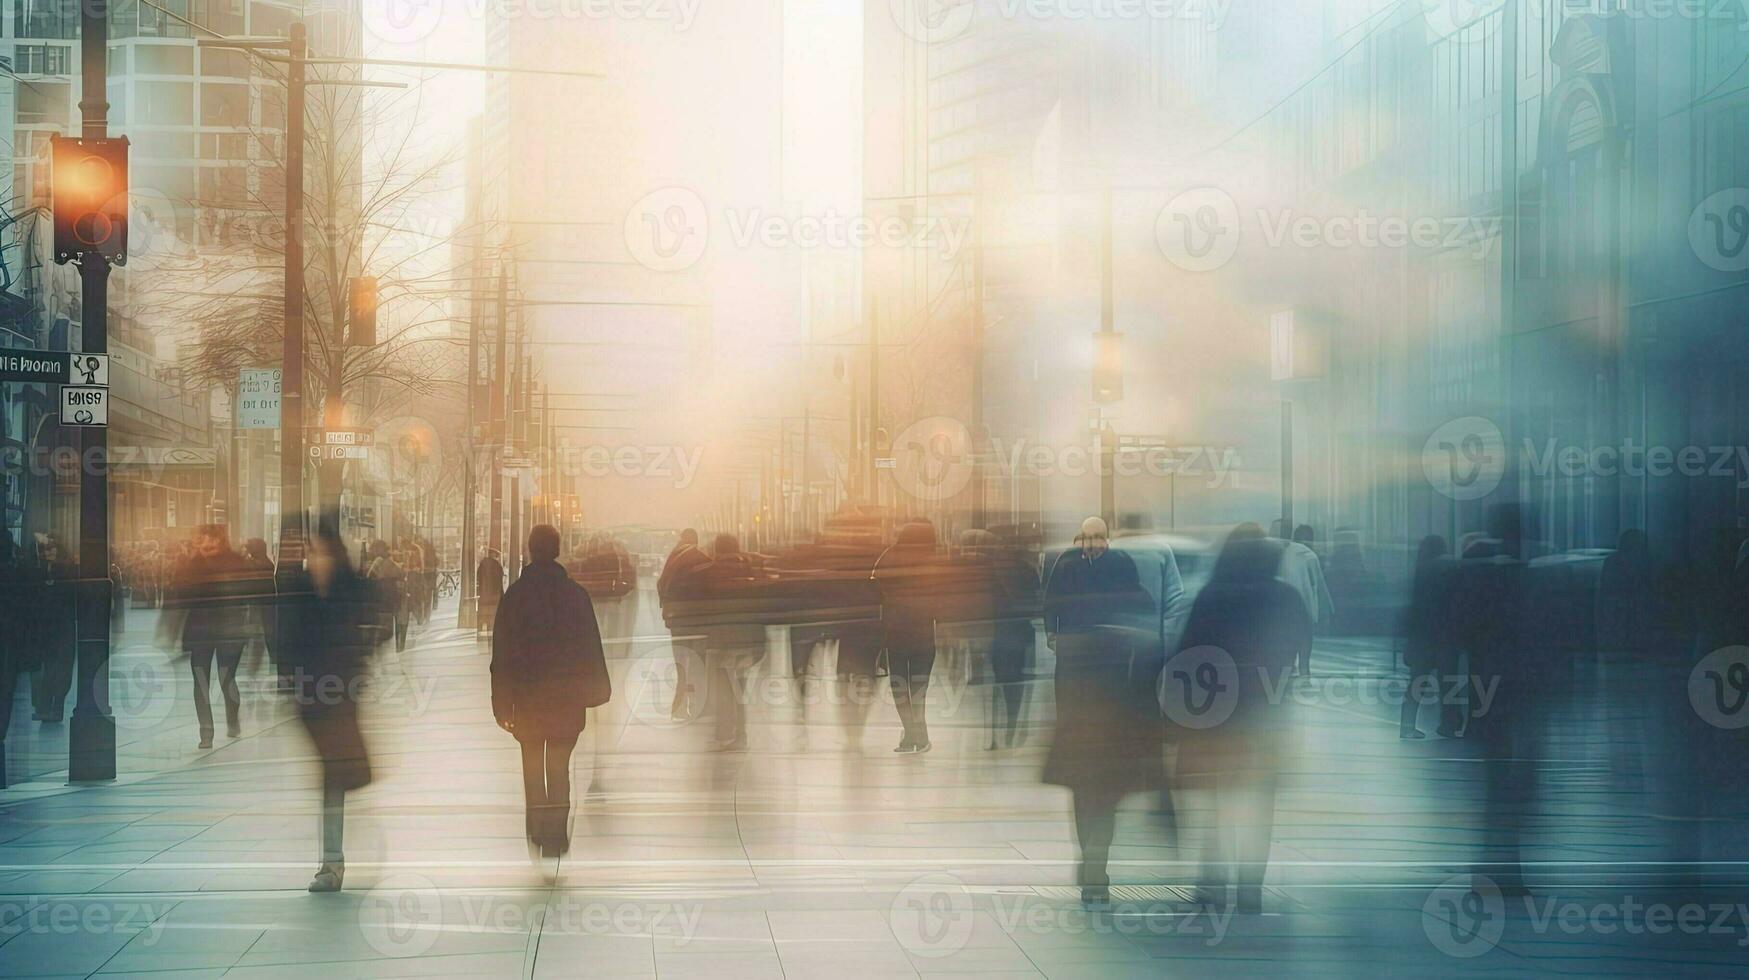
x: 779, y: 862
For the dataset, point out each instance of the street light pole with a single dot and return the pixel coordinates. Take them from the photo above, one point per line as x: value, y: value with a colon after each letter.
x: 292, y: 524
x: 91, y: 736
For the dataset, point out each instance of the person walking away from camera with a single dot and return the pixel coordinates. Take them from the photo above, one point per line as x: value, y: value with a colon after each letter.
x: 489, y: 579
x: 685, y: 557
x: 390, y: 581
x: 1302, y: 569
x: 1257, y: 623
x: 1431, y: 650
x: 909, y: 580
x: 1108, y: 740
x: 212, y: 594
x: 329, y: 621
x: 548, y: 669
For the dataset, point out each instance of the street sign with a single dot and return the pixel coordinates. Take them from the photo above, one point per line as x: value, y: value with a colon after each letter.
x: 887, y: 463
x: 258, y: 398
x: 340, y: 452
x: 53, y: 367
x: 84, y: 405
x: 342, y: 437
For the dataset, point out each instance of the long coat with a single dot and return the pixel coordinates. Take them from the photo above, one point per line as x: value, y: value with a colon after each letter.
x: 1261, y: 623
x: 1109, y: 735
x: 326, y: 637
x: 548, y: 665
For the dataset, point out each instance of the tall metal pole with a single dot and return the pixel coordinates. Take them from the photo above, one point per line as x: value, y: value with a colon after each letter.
x: 292, y: 529
x: 979, y: 443
x: 874, y: 402
x: 1107, y: 324
x: 466, y: 611
x: 496, y: 393
x: 91, y: 736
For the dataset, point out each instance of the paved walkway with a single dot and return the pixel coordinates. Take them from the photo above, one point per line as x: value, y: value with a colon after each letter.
x: 813, y: 855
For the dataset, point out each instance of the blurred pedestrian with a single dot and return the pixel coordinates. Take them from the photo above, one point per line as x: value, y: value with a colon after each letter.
x: 1302, y: 569
x: 1431, y: 650
x: 722, y: 597
x: 548, y: 669
x: 489, y: 579
x: 390, y: 581
x: 329, y: 619
x: 1108, y: 740
x: 907, y: 574
x: 685, y: 557
x: 212, y: 593
x: 1246, y: 617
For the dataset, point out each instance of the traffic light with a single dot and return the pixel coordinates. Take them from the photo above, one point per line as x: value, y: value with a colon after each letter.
x: 89, y: 179
x: 361, y: 311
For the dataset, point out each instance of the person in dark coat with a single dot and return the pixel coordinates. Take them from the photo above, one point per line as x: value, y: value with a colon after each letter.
x: 721, y: 598
x: 212, y: 592
x: 1109, y: 737
x: 52, y: 618
x: 910, y: 580
x: 548, y: 669
x: 328, y: 620
x: 1258, y: 624
x: 1430, y: 644
x: 390, y: 580
x: 685, y: 557
x: 18, y: 655
x: 489, y: 582
x: 261, y: 591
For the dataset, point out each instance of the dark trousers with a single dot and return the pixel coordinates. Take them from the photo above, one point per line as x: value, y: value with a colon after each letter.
x: 1304, y: 656
x: 200, y: 663
x: 910, y: 681
x: 1095, y: 826
x: 546, y: 787
x: 50, y: 683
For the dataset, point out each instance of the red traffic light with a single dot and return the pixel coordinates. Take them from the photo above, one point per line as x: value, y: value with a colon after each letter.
x: 89, y: 180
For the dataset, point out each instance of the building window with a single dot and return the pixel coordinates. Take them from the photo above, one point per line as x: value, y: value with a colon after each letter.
x: 57, y: 19
x: 43, y: 59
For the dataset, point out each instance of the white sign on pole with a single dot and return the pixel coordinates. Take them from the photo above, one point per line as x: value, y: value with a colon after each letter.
x: 86, y: 405
x: 258, y: 398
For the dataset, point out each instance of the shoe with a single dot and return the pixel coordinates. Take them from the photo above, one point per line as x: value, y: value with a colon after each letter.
x: 206, y: 742
x: 233, y: 731
x: 1448, y: 733
x: 1096, y: 896
x: 1209, y: 896
x: 905, y: 748
x: 925, y: 747
x: 328, y: 878
x: 1413, y: 735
